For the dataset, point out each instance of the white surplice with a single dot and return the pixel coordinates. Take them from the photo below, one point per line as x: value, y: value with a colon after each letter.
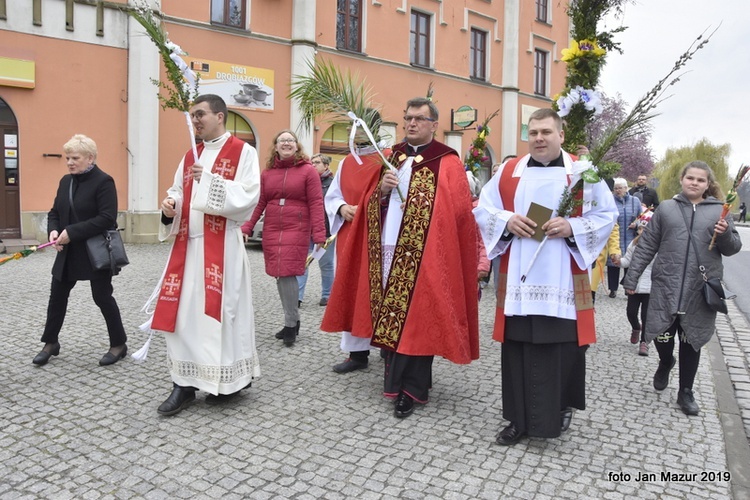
x: 217, y: 357
x: 548, y: 289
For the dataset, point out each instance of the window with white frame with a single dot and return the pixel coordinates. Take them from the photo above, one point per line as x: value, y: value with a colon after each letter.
x: 541, y: 59
x: 478, y: 54
x: 228, y: 13
x: 349, y: 25
x: 420, y: 38
x: 542, y: 11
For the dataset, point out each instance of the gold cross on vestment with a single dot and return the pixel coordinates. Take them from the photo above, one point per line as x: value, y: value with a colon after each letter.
x: 582, y: 287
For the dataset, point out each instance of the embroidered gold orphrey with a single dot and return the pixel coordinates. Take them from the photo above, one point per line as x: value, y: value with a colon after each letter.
x: 392, y: 303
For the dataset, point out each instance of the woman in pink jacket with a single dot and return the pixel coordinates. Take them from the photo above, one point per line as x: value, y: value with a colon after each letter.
x: 292, y: 198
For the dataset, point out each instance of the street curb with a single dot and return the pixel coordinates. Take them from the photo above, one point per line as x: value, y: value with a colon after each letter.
x: 735, y: 439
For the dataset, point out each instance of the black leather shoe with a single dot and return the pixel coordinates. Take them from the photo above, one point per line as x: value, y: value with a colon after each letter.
x: 612, y: 294
x: 42, y: 358
x: 565, y: 417
x: 687, y: 402
x: 350, y: 365
x: 280, y: 333
x: 176, y: 401
x: 510, y: 435
x: 661, y: 377
x: 111, y: 359
x: 404, y: 406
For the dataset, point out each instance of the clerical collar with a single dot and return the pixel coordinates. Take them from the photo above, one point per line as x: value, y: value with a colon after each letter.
x: 415, y: 150
x: 217, y: 139
x: 558, y: 162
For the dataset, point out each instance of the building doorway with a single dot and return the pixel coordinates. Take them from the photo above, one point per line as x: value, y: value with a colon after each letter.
x: 10, y: 202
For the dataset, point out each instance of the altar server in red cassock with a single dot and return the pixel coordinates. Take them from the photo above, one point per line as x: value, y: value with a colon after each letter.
x: 546, y: 321
x: 354, y: 176
x: 407, y: 275
x: 204, y: 302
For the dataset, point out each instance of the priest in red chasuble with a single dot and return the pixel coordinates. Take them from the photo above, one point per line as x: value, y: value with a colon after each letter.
x: 545, y: 314
x: 204, y: 303
x: 407, y: 276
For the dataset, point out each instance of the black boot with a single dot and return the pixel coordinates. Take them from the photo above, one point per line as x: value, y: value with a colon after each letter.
x: 280, y: 333
x: 176, y: 401
x: 290, y: 335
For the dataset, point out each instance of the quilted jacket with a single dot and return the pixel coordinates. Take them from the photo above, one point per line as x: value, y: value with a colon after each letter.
x: 292, y: 198
x: 676, y: 281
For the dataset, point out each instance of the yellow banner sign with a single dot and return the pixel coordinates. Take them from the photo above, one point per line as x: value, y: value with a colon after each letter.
x: 240, y: 86
x: 17, y: 73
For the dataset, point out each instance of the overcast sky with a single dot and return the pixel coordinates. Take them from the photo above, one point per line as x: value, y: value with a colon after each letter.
x: 712, y: 99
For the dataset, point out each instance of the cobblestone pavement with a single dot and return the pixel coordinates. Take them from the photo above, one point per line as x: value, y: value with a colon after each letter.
x: 73, y: 429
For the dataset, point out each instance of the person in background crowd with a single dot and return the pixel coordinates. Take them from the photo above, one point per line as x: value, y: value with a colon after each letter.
x: 85, y: 206
x: 292, y: 198
x: 743, y: 212
x: 647, y: 195
x: 411, y: 264
x: 629, y: 208
x: 205, y: 298
x: 638, y: 299
x: 544, y: 335
x: 610, y: 251
x: 325, y: 263
x: 681, y: 227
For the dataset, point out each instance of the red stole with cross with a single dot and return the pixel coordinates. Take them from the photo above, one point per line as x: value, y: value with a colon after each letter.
x: 214, y: 232
x: 585, y: 325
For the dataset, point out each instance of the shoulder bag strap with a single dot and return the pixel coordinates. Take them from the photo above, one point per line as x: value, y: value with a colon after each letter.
x: 695, y: 246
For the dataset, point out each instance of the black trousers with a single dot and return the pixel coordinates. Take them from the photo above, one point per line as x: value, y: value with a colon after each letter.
x: 101, y: 290
x: 409, y: 374
x: 689, y: 358
x: 539, y: 381
x: 613, y: 277
x: 635, y: 301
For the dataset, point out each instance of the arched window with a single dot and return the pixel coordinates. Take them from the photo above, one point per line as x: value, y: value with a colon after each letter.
x: 335, y: 142
x: 240, y: 128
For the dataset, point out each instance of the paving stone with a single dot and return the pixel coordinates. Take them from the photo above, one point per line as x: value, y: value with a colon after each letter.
x: 303, y: 431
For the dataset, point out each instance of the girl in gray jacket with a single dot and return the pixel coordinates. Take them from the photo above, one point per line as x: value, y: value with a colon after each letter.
x: 676, y: 305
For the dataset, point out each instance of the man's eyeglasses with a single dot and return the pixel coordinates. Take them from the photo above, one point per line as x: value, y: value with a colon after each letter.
x: 198, y: 115
x: 285, y: 141
x: 418, y: 119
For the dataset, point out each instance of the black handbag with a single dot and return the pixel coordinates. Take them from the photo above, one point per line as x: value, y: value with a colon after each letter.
x: 106, y: 251
x: 714, y: 294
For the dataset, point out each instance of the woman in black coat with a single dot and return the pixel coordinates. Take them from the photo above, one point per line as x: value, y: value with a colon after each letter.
x: 95, y: 210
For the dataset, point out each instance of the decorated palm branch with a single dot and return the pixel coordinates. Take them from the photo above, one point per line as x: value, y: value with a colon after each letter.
x: 730, y: 199
x: 475, y: 156
x: 336, y: 97
x: 325, y: 92
x: 181, y: 87
x: 24, y: 253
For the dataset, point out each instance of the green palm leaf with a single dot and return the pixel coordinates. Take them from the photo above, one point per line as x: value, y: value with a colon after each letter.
x: 329, y: 93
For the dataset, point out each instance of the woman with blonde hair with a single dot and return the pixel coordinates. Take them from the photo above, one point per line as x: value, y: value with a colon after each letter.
x: 85, y: 206
x: 292, y: 198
